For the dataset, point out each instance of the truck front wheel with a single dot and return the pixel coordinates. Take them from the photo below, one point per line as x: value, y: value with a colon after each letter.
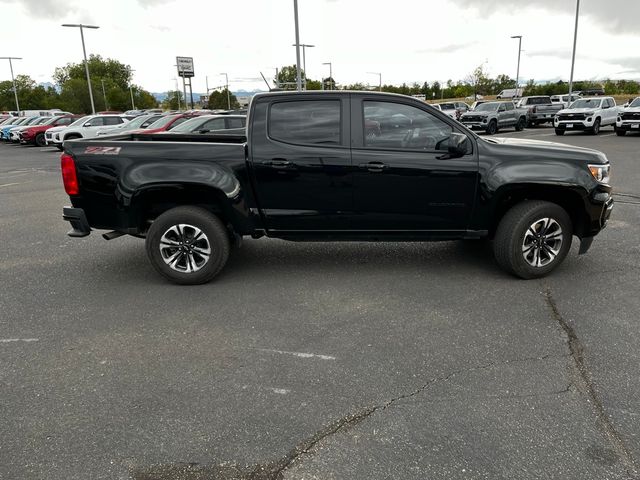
x: 188, y: 245
x: 533, y: 238
x: 492, y: 127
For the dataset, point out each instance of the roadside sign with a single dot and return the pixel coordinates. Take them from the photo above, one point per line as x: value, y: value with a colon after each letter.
x: 185, y: 66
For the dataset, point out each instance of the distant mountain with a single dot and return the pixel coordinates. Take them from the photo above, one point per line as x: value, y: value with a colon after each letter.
x: 161, y: 96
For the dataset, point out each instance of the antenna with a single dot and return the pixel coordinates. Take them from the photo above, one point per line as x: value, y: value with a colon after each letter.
x: 265, y: 81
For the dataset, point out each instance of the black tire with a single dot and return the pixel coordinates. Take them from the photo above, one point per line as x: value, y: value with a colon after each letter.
x: 214, y: 237
x: 595, y: 130
x: 621, y: 133
x: 516, y: 229
x: 520, y: 125
x: 59, y: 146
x: 40, y: 140
x: 492, y: 127
x: 559, y: 131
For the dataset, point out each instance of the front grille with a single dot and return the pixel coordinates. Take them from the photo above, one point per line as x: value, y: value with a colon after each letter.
x: 572, y: 116
x: 471, y: 118
x: 48, y: 135
x: 631, y: 116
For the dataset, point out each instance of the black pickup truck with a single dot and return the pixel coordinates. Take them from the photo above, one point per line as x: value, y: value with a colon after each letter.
x: 336, y: 165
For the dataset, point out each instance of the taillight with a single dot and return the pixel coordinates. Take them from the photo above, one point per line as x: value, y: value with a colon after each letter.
x: 69, y: 177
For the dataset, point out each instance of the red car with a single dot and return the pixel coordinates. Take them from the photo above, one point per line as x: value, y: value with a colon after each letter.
x: 167, y: 122
x: 35, y: 135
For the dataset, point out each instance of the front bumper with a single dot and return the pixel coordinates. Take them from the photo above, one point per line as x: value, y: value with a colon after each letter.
x: 78, y: 219
x: 628, y: 125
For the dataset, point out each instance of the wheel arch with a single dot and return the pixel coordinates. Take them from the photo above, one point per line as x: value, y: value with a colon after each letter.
x: 571, y: 199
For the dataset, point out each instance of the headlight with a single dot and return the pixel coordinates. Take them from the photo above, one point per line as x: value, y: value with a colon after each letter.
x: 601, y: 172
x: 484, y: 120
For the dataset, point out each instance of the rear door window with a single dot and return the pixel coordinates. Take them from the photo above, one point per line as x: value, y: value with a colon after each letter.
x: 306, y: 122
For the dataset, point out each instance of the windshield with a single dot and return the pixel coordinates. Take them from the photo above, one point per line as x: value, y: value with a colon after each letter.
x: 586, y: 103
x: 163, y: 122
x: 136, y: 122
x: 447, y: 106
x: 43, y: 120
x: 50, y: 121
x: 487, y: 107
x: 191, y: 125
x: 635, y: 103
x: 79, y: 121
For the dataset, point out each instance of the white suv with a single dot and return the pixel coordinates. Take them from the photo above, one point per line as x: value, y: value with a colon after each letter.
x: 629, y: 118
x: 587, y: 114
x: 86, y: 127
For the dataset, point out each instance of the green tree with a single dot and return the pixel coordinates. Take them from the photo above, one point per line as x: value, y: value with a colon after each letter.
x: 173, y: 101
x: 74, y: 92
x: 288, y: 77
x: 218, y: 100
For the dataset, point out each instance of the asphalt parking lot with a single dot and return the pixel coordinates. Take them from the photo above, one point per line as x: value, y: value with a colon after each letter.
x: 314, y: 360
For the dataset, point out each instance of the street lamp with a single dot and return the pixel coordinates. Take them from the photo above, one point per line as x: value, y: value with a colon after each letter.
x: 84, y: 51
x: 228, y: 96
x: 573, y: 55
x: 380, y: 79
x: 304, y: 60
x: 330, y: 76
x: 519, y: 37
x: 13, y: 80
x: 295, y: 18
x: 178, y: 92
x: 104, y: 94
x: 133, y: 105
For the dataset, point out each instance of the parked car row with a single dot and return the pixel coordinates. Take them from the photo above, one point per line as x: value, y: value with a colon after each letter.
x: 55, y: 130
x: 564, y: 113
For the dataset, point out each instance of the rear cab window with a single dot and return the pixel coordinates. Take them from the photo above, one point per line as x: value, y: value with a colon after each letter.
x: 306, y: 122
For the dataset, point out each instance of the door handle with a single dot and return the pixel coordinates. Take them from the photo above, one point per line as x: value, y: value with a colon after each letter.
x: 374, y: 166
x: 277, y: 163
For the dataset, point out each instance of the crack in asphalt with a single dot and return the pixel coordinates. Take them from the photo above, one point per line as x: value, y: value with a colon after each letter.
x: 275, y: 470
x: 585, y: 384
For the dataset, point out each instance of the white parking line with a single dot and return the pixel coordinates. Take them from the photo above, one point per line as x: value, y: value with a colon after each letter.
x: 298, y: 354
x: 11, y: 184
x: 11, y: 340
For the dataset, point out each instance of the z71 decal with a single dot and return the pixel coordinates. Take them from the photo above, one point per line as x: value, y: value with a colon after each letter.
x: 102, y: 150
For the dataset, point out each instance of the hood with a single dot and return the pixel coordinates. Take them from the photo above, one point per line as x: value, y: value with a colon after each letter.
x: 578, y: 110
x: 630, y: 110
x: 541, y: 146
x: 58, y: 129
x: 475, y: 113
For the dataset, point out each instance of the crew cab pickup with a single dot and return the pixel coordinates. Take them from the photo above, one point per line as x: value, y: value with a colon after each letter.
x: 336, y: 165
x: 587, y: 114
x: 540, y: 109
x: 629, y: 118
x: 492, y: 116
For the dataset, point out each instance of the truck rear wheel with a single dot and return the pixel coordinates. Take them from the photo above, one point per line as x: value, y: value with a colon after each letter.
x: 188, y: 245
x: 533, y: 238
x: 521, y: 124
x: 620, y: 132
x: 559, y: 131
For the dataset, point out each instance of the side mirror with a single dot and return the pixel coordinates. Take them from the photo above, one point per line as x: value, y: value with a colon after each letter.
x: 458, y: 145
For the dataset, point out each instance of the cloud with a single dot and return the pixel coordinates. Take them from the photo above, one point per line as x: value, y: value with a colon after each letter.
x: 451, y: 48
x: 152, y: 3
x: 161, y: 28
x: 621, y: 15
x: 50, y: 9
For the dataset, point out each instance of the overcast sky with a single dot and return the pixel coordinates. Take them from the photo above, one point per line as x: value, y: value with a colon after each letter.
x: 405, y: 40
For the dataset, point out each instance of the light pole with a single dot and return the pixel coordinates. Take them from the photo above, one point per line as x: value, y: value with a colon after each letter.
x: 573, y: 55
x: 178, y: 92
x: 304, y: 60
x: 379, y: 79
x: 227, y: 86
x: 84, y: 51
x: 519, y: 37
x: 330, y: 76
x: 133, y: 105
x: 104, y: 94
x: 298, y: 73
x: 13, y: 80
